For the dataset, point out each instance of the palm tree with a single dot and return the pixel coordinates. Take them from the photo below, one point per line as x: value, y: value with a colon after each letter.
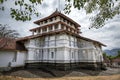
x: 6, y: 35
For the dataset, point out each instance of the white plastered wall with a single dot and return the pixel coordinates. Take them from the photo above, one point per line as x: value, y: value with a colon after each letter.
x: 7, y: 58
x: 20, y: 59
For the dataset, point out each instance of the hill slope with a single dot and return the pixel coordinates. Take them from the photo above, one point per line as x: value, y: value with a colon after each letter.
x: 112, y: 52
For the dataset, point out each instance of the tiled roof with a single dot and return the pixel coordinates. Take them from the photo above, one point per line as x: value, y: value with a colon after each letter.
x: 7, y: 44
x: 59, y: 31
x: 88, y: 39
x: 10, y: 44
x: 116, y: 60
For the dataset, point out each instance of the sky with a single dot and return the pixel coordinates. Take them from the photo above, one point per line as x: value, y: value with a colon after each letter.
x: 108, y: 34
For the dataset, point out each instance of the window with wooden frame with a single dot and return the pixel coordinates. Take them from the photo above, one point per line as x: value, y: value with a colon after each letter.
x: 62, y: 26
x: 41, y: 22
x: 55, y: 18
x: 51, y: 19
x: 64, y: 20
x: 61, y: 18
x: 45, y: 21
x: 67, y: 22
x: 44, y: 29
x: 56, y: 26
x: 71, y: 24
x: 50, y: 28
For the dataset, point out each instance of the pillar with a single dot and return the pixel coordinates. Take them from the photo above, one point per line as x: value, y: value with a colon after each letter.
x: 59, y: 26
x: 41, y: 30
x: 53, y: 27
x: 47, y: 29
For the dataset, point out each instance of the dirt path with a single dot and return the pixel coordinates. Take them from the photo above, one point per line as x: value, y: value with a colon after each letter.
x: 112, y: 77
x: 38, y: 73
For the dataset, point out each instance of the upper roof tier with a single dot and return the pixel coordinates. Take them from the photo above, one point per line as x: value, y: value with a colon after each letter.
x: 57, y: 13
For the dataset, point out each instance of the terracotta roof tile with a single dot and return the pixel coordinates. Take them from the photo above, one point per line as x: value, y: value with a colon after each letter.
x: 59, y: 31
x: 7, y: 44
x: 10, y: 44
x: 116, y: 60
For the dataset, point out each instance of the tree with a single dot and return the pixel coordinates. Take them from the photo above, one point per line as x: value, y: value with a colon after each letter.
x: 105, y: 9
x: 5, y: 32
x: 25, y: 11
x: 6, y: 35
x: 110, y: 57
x: 118, y: 56
x: 104, y: 54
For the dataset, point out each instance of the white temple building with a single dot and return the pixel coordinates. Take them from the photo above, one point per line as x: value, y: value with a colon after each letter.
x: 57, y: 43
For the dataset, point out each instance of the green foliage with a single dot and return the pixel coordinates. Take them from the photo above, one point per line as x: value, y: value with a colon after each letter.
x: 108, y: 56
x: 1, y: 2
x: 104, y: 54
x: 118, y: 56
x: 25, y: 10
x: 111, y: 57
x: 105, y: 9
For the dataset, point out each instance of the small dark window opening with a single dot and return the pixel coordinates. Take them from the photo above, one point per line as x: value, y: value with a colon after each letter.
x: 45, y: 21
x: 15, y: 57
x: 61, y: 18
x: 64, y: 20
x: 52, y: 54
x: 72, y: 55
x: 41, y: 22
x: 51, y: 19
x: 50, y: 27
x: 71, y: 24
x: 67, y: 22
x: 44, y: 29
x: 55, y: 18
x: 56, y: 26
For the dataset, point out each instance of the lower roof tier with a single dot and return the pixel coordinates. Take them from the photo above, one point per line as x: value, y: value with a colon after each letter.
x: 58, y: 32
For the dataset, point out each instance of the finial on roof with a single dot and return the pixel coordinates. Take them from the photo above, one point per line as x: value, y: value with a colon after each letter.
x: 56, y: 9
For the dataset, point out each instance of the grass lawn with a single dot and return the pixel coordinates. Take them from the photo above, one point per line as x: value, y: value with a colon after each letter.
x: 112, y: 77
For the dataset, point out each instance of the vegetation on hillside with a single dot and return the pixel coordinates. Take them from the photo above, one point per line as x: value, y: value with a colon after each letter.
x: 111, y: 57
